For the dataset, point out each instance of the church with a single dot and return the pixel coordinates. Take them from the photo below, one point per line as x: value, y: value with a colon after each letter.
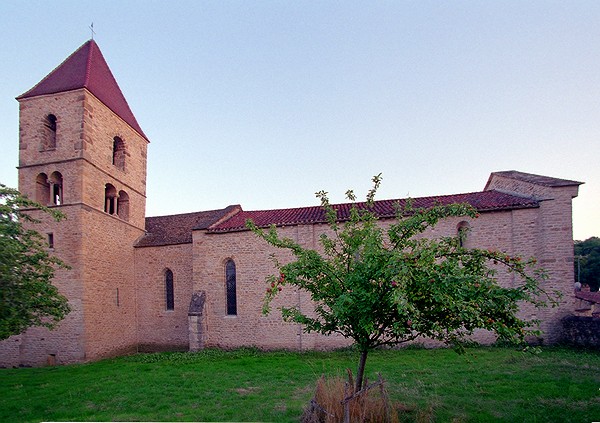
x: 196, y: 280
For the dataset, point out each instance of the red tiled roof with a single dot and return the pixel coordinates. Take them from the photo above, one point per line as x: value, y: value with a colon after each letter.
x: 177, y: 229
x: 482, y: 201
x: 86, y: 68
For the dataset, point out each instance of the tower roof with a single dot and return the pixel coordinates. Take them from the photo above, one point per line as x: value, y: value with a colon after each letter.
x: 86, y: 68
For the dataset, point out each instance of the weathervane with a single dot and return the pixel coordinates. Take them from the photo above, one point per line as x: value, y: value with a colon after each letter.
x: 92, y: 29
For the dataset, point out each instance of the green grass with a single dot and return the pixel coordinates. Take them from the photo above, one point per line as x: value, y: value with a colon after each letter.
x: 486, y: 384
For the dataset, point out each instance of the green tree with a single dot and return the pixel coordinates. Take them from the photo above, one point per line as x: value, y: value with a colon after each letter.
x: 587, y: 262
x: 386, y: 287
x: 27, y: 296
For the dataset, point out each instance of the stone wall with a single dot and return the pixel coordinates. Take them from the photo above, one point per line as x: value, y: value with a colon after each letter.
x: 68, y: 109
x: 550, y: 240
x: 543, y: 232
x: 101, y: 125
x: 249, y: 327
x: 65, y: 344
x: 158, y: 328
x: 109, y: 285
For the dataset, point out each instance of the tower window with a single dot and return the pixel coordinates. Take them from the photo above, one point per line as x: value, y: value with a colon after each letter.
x: 49, y: 140
x: 118, y: 153
x: 56, y: 188
x: 42, y: 189
x: 50, y: 240
x: 230, y: 287
x: 110, y: 199
x: 169, y: 290
x: 123, y: 205
x: 463, y: 230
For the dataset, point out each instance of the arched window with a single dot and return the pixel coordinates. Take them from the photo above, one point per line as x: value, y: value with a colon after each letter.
x: 123, y: 205
x: 49, y: 141
x: 118, y: 153
x: 230, y: 287
x: 169, y: 290
x: 110, y: 199
x: 56, y: 188
x: 462, y: 231
x: 42, y: 189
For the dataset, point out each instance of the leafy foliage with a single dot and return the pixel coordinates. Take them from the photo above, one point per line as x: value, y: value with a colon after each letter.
x: 27, y: 296
x: 387, y: 287
x: 587, y: 262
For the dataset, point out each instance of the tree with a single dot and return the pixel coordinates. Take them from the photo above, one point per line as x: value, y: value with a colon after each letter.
x: 381, y: 287
x: 27, y: 296
x: 587, y: 262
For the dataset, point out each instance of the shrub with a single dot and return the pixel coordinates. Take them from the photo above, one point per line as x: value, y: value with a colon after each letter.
x: 335, y: 401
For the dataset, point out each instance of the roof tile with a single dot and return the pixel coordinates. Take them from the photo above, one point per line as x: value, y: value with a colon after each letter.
x: 482, y: 201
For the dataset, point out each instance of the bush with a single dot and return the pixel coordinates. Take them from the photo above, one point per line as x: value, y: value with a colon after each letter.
x: 336, y: 401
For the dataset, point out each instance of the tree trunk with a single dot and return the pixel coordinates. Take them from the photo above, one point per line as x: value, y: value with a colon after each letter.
x: 361, y: 370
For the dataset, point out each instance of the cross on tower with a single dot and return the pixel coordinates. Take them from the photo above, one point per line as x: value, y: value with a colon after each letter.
x: 92, y: 29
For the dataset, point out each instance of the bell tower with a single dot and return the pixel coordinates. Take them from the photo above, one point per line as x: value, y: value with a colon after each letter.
x: 82, y: 151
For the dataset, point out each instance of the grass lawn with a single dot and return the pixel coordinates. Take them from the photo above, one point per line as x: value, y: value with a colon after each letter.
x: 486, y: 384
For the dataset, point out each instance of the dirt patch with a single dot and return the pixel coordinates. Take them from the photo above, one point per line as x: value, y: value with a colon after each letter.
x: 247, y: 391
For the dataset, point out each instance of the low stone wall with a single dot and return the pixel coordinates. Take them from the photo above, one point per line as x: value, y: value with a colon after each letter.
x: 582, y: 331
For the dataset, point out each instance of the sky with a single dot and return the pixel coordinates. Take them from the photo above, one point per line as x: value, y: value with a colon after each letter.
x: 264, y: 103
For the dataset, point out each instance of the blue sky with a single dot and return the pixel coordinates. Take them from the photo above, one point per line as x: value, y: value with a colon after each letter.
x: 264, y: 103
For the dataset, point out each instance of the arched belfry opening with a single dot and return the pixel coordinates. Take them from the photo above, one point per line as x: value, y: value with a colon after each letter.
x: 42, y: 189
x: 56, y: 188
x: 49, y: 137
x: 118, y: 153
x: 123, y: 205
x: 110, y: 199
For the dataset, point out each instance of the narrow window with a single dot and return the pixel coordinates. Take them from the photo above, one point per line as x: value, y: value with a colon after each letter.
x: 56, y: 188
x: 110, y: 199
x: 49, y: 141
x: 230, y: 284
x: 463, y: 230
x: 42, y: 189
x: 123, y: 205
x: 118, y: 153
x: 50, y: 240
x: 118, y: 300
x: 169, y: 291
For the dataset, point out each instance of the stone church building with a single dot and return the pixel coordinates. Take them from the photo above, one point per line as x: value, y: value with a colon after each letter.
x: 195, y: 280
